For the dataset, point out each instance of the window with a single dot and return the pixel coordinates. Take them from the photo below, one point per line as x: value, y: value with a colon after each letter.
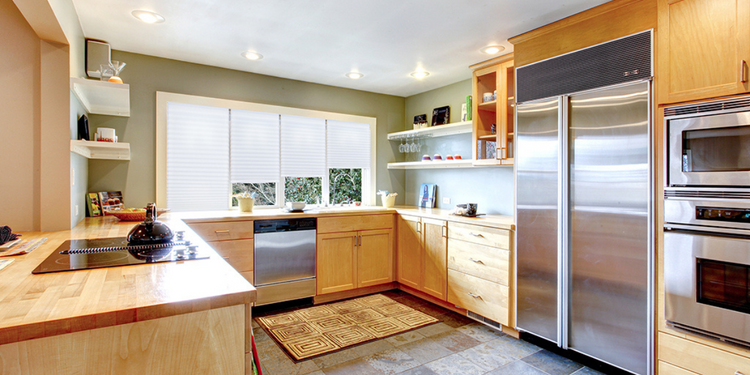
x: 210, y: 149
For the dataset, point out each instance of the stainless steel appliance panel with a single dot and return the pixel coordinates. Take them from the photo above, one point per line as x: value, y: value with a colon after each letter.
x: 683, y: 252
x: 537, y: 159
x: 711, y: 150
x: 284, y: 256
x: 719, y: 213
x: 609, y: 226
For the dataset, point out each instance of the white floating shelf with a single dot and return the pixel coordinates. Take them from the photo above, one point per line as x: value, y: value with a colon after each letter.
x: 101, y: 150
x: 463, y: 163
x: 101, y: 97
x: 434, y: 131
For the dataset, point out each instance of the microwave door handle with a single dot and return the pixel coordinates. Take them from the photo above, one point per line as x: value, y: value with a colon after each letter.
x: 705, y: 229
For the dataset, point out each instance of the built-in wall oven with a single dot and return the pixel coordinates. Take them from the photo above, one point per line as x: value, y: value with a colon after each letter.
x: 707, y: 218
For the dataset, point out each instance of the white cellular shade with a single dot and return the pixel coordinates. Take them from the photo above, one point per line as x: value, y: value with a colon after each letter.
x: 255, y: 146
x: 303, y: 145
x: 348, y: 144
x: 197, y: 157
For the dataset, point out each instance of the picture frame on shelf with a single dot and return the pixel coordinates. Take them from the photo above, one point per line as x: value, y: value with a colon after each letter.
x: 111, y: 200
x: 427, y: 194
x: 441, y: 115
x: 92, y: 203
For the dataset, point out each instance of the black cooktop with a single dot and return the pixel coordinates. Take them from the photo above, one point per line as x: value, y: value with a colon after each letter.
x: 113, y: 252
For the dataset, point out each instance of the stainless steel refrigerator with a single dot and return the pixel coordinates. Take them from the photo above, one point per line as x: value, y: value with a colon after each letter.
x: 583, y: 211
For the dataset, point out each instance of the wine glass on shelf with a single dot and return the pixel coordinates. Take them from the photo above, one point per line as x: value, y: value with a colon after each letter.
x: 401, y: 146
x: 413, y: 146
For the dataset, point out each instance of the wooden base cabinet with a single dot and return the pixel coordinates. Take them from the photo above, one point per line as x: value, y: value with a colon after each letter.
x: 681, y: 356
x: 233, y: 240
x: 423, y: 255
x: 354, y: 259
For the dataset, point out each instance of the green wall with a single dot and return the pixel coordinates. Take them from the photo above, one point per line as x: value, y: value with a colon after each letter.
x: 147, y: 75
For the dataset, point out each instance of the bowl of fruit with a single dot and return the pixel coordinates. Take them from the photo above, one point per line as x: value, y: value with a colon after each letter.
x: 133, y: 214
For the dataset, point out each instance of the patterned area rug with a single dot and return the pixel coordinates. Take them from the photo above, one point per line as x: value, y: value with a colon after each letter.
x: 323, y: 329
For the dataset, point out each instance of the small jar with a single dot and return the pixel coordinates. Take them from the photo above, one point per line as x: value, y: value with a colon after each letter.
x: 493, y: 129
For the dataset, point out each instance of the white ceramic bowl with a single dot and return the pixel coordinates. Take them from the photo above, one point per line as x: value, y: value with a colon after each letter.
x: 295, y: 205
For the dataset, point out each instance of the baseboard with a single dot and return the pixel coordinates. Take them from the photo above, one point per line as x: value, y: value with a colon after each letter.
x: 354, y: 293
x: 431, y: 299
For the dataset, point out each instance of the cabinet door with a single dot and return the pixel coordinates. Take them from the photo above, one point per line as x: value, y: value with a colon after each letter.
x: 701, y: 48
x: 336, y: 262
x: 409, y: 251
x: 435, y: 242
x: 374, y: 258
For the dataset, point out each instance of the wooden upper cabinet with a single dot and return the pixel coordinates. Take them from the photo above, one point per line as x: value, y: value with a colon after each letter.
x: 703, y: 49
x: 410, y: 251
x: 496, y: 75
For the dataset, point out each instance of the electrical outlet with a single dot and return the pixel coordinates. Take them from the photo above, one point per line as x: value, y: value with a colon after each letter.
x: 446, y: 201
x: 76, y: 210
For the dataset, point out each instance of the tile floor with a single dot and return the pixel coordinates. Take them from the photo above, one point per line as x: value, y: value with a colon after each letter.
x: 457, y: 345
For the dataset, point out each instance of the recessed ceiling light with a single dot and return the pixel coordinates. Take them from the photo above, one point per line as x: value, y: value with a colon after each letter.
x: 355, y: 75
x: 420, y: 74
x: 148, y: 16
x: 252, y: 55
x: 491, y: 50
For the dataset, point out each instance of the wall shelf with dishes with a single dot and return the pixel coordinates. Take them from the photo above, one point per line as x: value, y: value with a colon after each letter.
x: 101, y: 150
x: 101, y: 97
x: 463, y: 127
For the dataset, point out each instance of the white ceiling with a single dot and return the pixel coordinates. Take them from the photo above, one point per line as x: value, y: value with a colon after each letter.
x: 320, y: 41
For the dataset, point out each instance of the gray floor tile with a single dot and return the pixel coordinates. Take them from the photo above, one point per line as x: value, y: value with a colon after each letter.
x: 455, y: 341
x: 551, y: 363
x: 391, y: 361
x: 336, y: 358
x: 287, y: 366
x: 425, y: 350
x: 517, y: 368
x: 513, y: 348
x: 421, y: 370
x: 268, y: 350
x: 372, y: 348
x: 588, y: 371
x: 356, y: 366
x: 260, y: 335
x: 487, y: 356
x: 454, y: 320
x: 480, y: 332
x: 434, y: 329
x: 404, y: 338
x: 454, y: 365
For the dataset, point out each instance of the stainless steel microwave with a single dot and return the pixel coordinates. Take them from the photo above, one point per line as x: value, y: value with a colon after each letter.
x: 708, y: 144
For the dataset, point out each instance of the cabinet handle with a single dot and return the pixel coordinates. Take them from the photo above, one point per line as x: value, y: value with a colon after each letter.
x: 472, y: 295
x: 738, y: 373
x: 360, y: 241
x: 419, y: 227
x: 743, y: 77
x: 444, y: 231
x: 225, y: 231
x: 476, y: 260
x: 476, y: 234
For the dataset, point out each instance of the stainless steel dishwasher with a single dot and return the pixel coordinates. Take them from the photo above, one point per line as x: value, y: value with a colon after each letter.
x: 284, y: 259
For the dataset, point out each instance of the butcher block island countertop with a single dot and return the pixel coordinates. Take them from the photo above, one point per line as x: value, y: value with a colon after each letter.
x: 176, y: 317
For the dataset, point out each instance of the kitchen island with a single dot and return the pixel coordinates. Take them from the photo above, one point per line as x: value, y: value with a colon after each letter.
x: 186, y: 317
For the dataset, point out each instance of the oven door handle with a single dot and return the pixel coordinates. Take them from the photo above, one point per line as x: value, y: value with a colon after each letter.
x: 706, y: 229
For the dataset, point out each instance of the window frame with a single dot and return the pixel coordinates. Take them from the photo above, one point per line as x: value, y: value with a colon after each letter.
x: 162, y: 98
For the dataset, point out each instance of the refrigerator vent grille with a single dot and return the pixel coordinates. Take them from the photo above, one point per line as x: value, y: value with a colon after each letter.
x: 706, y: 194
x: 707, y: 107
x: 619, y: 61
x: 484, y: 320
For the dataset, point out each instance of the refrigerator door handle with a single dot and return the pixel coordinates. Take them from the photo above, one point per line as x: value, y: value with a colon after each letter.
x: 563, y: 227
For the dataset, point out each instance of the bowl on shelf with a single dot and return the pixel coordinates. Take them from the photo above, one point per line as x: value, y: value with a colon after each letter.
x: 133, y: 214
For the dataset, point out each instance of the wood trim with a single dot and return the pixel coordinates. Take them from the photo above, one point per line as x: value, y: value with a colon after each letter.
x: 325, y: 298
x: 571, y: 20
x: 484, y: 67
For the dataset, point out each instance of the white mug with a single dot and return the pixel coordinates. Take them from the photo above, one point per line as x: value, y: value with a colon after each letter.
x: 487, y: 97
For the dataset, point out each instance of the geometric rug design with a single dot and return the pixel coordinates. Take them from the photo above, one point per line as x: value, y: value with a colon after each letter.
x: 324, y: 329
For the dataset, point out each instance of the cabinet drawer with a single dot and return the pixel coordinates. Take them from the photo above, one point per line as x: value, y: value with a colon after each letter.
x: 669, y: 369
x: 480, y: 235
x: 238, y: 253
x: 703, y: 359
x: 223, y: 230
x: 354, y: 223
x: 485, y: 262
x: 478, y: 295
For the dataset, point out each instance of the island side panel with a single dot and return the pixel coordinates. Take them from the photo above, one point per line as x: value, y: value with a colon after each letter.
x: 205, y: 342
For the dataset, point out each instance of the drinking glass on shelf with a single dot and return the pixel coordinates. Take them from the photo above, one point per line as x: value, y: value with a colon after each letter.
x: 401, y: 146
x: 413, y: 146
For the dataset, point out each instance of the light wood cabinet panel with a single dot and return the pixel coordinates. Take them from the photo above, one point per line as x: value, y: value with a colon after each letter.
x: 410, y: 252
x: 487, y: 236
x: 238, y: 253
x: 480, y: 296
x: 354, y: 223
x: 336, y: 262
x: 701, y: 48
x: 435, y: 257
x: 702, y: 359
x: 374, y: 258
x: 493, y: 76
x: 482, y: 261
x: 669, y: 369
x: 223, y: 230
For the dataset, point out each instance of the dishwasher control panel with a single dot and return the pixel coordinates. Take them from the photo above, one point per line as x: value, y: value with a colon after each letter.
x: 285, y: 225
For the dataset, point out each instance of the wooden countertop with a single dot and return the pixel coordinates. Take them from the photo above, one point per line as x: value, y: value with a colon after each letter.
x: 495, y: 221
x: 34, y: 306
